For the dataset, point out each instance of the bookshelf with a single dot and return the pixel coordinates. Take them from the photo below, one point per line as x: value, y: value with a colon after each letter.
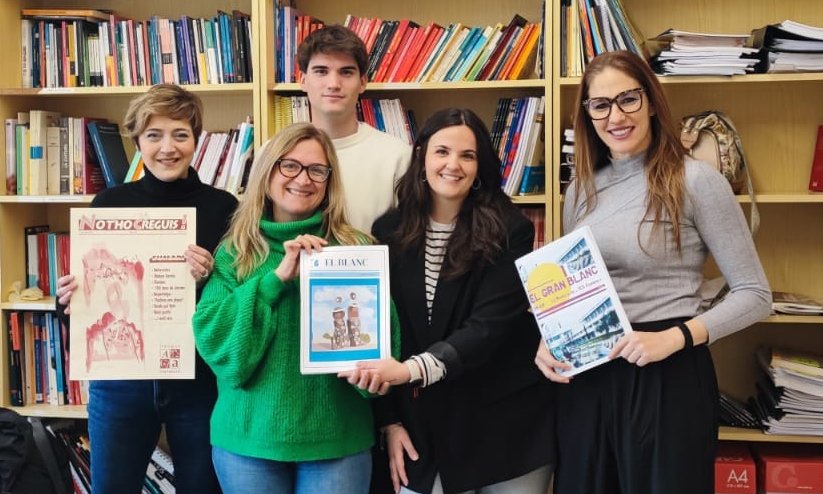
x: 426, y: 97
x: 777, y: 116
x: 224, y: 106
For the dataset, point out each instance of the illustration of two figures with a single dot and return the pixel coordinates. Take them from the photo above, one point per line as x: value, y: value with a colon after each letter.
x: 346, y: 322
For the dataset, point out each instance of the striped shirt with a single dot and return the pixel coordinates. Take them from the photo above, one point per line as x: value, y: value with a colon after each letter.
x: 437, y: 238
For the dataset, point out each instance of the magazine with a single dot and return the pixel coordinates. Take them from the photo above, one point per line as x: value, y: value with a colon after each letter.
x: 344, y: 308
x: 573, y: 300
x: 793, y: 303
x: 131, y: 312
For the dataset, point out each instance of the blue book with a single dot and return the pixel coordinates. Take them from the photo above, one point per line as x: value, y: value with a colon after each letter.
x: 111, y: 154
x: 534, y: 180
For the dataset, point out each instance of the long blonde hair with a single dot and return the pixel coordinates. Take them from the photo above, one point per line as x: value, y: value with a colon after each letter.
x: 664, y: 158
x: 244, y: 237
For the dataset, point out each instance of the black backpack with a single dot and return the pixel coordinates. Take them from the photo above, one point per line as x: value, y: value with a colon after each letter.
x: 29, y: 462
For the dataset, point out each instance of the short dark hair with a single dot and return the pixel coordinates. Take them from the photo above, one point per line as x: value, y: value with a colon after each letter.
x: 333, y: 39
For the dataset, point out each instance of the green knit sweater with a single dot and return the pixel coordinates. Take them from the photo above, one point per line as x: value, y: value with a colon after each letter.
x: 249, y: 334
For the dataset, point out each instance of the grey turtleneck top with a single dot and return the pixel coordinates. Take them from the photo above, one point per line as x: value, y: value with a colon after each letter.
x: 659, y: 283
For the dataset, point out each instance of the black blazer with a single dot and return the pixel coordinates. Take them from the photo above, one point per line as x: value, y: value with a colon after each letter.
x: 492, y: 418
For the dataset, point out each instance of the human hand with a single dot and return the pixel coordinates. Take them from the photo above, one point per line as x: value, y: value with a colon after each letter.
x: 289, y: 267
x: 643, y: 347
x: 66, y: 285
x: 389, y: 369
x: 549, y: 365
x: 399, y: 443
x: 200, y: 261
x: 364, y: 379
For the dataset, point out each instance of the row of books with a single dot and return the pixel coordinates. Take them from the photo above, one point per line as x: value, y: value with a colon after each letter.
x: 538, y: 218
x: 82, y: 48
x: 224, y: 159
x: 38, y: 361
x: 405, y: 51
x: 591, y: 27
x: 46, y: 257
x: 49, y: 154
x: 73, y: 440
x: 518, y: 136
x: 387, y: 115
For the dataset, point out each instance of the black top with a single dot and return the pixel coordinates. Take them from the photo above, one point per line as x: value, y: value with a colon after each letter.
x: 492, y: 418
x: 214, y: 210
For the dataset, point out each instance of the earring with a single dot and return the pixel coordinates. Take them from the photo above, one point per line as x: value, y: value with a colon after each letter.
x: 423, y: 177
x: 476, y: 184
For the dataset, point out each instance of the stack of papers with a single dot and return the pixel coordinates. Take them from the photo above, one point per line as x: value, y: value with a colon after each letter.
x: 790, y: 400
x: 688, y: 53
x: 792, y: 46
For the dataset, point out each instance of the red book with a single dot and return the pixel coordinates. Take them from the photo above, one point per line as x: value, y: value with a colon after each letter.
x: 421, y: 59
x: 816, y: 178
x: 386, y: 61
x: 412, y: 51
x: 402, y: 53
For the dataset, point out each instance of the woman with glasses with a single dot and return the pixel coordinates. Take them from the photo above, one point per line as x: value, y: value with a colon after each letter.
x: 647, y: 421
x: 470, y: 413
x: 273, y: 429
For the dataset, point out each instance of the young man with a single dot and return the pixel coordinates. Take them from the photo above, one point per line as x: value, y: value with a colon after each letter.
x: 334, y: 61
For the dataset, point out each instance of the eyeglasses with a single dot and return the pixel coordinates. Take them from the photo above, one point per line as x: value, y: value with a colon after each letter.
x: 628, y: 101
x: 290, y: 168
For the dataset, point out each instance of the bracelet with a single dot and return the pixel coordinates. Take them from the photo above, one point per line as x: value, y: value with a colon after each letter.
x: 687, y: 335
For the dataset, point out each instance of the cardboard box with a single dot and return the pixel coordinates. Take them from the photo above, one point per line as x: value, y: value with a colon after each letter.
x: 734, y: 469
x: 790, y: 468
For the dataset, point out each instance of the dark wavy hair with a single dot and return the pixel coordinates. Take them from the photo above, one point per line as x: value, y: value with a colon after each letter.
x: 480, y: 230
x: 333, y: 39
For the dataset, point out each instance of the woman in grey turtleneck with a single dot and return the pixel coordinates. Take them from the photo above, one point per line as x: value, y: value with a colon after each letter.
x: 646, y: 422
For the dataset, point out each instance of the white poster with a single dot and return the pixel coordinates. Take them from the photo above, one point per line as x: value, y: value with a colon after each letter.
x: 131, y: 313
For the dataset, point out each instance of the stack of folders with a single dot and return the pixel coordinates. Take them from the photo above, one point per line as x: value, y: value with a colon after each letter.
x: 790, y: 396
x: 686, y: 53
x: 791, y: 46
x: 736, y: 414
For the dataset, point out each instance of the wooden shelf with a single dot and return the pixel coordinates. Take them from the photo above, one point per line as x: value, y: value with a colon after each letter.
x: 245, y: 87
x: 424, y: 86
x: 735, y: 79
x: 536, y: 199
x: 740, y: 434
x: 793, y: 319
x: 799, y: 198
x: 52, y: 411
x: 81, y: 199
x: 46, y: 303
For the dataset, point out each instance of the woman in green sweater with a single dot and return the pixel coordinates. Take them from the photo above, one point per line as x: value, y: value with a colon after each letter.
x: 273, y: 428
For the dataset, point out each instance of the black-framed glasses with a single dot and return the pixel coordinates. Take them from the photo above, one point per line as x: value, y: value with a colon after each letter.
x: 629, y: 101
x: 291, y: 168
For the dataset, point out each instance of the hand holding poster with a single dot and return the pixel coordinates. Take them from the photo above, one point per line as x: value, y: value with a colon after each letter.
x: 131, y: 313
x: 573, y: 299
x: 344, y: 316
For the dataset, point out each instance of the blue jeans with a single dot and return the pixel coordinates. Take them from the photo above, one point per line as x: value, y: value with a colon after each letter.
x: 243, y: 474
x: 124, y: 425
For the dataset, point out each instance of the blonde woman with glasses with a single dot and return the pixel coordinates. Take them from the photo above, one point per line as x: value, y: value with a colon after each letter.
x: 274, y: 429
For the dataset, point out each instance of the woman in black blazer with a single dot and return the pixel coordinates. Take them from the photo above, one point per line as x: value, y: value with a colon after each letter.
x: 470, y: 413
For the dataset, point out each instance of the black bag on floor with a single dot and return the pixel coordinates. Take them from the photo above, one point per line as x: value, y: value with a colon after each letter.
x: 29, y: 462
